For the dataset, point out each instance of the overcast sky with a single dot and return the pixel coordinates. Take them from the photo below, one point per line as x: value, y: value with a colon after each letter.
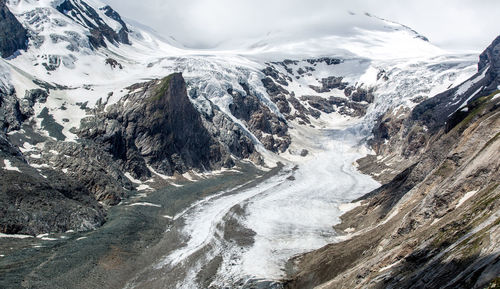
x: 451, y: 24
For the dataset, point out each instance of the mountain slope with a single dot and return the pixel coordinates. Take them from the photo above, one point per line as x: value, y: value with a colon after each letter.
x: 436, y: 223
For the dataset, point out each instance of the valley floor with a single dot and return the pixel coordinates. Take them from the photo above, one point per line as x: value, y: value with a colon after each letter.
x: 237, y: 229
x: 130, y: 240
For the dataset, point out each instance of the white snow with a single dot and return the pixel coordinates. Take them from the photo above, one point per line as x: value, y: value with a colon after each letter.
x: 389, y: 266
x: 349, y: 230
x: 468, y: 84
x: 348, y: 206
x: 393, y: 214
x: 145, y: 204
x: 8, y: 166
x: 15, y: 236
x: 467, y: 196
x: 165, y: 177
x: 144, y: 187
x: 132, y: 179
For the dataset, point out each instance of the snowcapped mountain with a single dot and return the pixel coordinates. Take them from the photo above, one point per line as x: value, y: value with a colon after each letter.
x: 361, y: 35
x: 93, y: 109
x: 252, y: 100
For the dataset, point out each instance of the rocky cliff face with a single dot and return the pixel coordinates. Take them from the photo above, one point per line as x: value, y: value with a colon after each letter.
x: 13, y: 36
x: 156, y: 125
x: 435, y: 224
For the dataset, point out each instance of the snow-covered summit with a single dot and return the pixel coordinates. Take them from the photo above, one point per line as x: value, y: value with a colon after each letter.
x: 359, y: 35
x: 92, y: 54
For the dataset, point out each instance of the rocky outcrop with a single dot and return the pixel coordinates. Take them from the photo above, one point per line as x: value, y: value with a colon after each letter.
x: 401, y: 134
x: 329, y: 83
x: 231, y: 136
x: 326, y: 60
x: 271, y: 130
x: 14, y: 111
x: 341, y: 105
x: 278, y: 95
x: 436, y: 222
x: 53, y: 187
x: 123, y: 32
x: 13, y: 36
x: 156, y: 124
x: 33, y: 202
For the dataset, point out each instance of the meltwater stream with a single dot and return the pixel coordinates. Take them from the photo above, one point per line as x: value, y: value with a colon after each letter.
x: 246, y: 236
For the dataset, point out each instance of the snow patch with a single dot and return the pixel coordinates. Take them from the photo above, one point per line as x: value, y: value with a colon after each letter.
x: 349, y: 206
x: 144, y: 187
x: 392, y: 215
x: 144, y: 204
x: 132, y: 179
x: 467, y: 196
x: 468, y: 84
x: 15, y: 236
x: 389, y: 266
x: 8, y: 166
x: 349, y: 230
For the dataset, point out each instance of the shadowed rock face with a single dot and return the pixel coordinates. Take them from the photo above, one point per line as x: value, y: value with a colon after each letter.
x: 491, y: 56
x: 13, y: 36
x: 157, y: 124
x: 435, y: 111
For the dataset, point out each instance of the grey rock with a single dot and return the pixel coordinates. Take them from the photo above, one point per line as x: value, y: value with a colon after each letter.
x: 318, y: 103
x: 329, y: 83
x: 260, y: 120
x: 33, y: 202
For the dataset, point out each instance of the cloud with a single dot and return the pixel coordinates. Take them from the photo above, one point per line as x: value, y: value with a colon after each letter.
x: 455, y: 24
